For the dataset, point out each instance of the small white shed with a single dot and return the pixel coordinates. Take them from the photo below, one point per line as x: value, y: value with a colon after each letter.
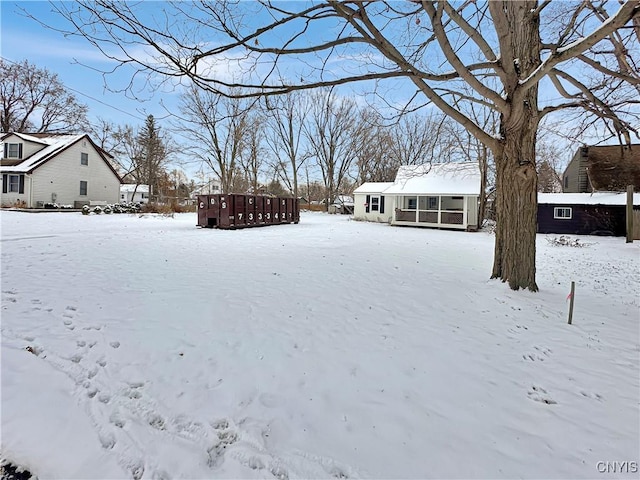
x: 130, y: 192
x: 441, y: 195
x: 371, y: 204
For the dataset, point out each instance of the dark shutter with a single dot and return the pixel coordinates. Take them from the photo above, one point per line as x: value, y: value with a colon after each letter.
x: 19, y: 150
x: 6, y: 151
x: 4, y: 181
x: 21, y: 187
x: 366, y: 205
x: 382, y: 204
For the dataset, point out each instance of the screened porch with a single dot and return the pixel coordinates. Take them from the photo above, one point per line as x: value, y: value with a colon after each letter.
x: 445, y: 211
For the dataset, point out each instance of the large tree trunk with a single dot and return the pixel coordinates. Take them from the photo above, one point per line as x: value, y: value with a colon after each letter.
x: 516, y: 209
x: 515, y: 156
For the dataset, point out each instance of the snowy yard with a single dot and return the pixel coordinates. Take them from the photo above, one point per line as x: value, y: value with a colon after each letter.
x: 331, y: 348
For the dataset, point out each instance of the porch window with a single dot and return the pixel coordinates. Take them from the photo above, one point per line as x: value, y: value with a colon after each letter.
x: 562, y: 213
x: 14, y: 183
x: 410, y: 203
x: 428, y: 203
x: 84, y: 159
x: 83, y: 188
x: 375, y: 204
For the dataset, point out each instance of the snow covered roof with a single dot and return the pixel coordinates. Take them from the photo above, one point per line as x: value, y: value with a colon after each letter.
x: 53, y: 145
x: 373, y: 187
x: 596, y: 198
x: 437, y: 179
x: 130, y: 187
x: 343, y: 200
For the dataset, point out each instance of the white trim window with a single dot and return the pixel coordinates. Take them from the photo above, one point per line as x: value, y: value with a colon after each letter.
x: 14, y: 183
x: 83, y: 188
x: 375, y: 204
x: 14, y: 150
x: 563, y: 213
x: 84, y: 158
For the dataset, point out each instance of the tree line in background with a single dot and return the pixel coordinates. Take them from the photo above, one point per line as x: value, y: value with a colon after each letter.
x: 469, y: 60
x: 315, y: 145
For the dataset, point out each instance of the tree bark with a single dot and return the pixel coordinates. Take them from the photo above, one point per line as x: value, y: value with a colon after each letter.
x: 515, y: 153
x: 516, y: 210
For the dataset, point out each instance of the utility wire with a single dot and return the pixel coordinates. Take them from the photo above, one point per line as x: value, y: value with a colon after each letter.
x: 87, y: 96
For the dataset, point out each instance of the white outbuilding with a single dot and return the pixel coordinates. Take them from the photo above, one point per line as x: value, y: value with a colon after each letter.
x: 434, y: 195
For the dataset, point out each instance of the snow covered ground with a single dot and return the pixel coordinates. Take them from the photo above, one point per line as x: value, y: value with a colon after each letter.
x: 331, y: 348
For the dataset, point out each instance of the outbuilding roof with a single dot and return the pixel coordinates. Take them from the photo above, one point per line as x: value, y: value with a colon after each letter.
x: 459, y: 178
x: 130, y: 187
x: 373, y: 187
x: 595, y: 198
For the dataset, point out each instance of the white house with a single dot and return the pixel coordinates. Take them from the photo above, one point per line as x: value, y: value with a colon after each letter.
x: 441, y: 195
x: 130, y: 192
x: 55, y: 168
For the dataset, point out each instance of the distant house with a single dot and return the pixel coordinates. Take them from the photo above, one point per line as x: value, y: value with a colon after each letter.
x: 433, y: 195
x: 603, y: 168
x: 342, y: 204
x: 134, y: 193
x: 598, y: 213
x: 53, y: 168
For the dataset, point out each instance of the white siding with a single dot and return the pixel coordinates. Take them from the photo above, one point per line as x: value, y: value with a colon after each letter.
x: 472, y: 211
x: 9, y: 199
x: 128, y: 197
x: 28, y: 148
x: 62, y: 175
x: 360, y: 213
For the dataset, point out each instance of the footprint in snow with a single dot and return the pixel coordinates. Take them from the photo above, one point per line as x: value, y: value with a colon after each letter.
x: 216, y: 452
x: 116, y: 419
x: 539, y: 394
x: 107, y: 440
x: 114, y: 344
x: 595, y: 396
x: 279, y: 472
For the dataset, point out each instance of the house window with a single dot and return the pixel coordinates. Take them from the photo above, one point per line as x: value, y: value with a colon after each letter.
x: 144, y: 195
x: 410, y: 203
x: 14, y: 183
x: 122, y: 196
x: 83, y: 187
x: 375, y: 204
x: 84, y: 159
x: 562, y: 212
x: 428, y: 203
x: 14, y: 150
x: 566, y: 181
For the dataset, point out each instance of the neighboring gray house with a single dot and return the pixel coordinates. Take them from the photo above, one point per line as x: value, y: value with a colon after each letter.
x: 603, y: 168
x: 435, y: 195
x: 55, y: 168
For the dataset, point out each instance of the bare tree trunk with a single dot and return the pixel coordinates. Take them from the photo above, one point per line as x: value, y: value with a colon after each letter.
x: 515, y: 154
x: 483, y: 163
x: 517, y: 208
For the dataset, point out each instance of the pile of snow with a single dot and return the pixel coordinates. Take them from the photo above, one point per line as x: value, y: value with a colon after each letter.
x: 144, y: 347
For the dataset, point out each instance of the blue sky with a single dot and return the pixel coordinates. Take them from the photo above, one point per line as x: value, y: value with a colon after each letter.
x: 23, y: 38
